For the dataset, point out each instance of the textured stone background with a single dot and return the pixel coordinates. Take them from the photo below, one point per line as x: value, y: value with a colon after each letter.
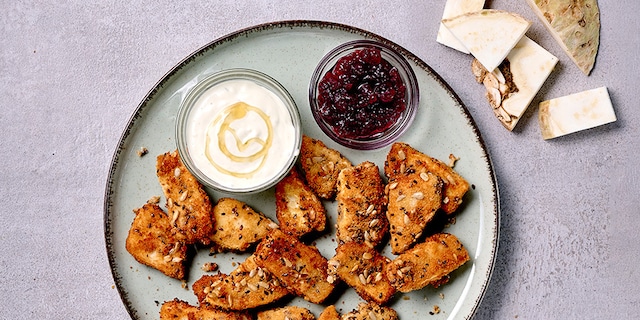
x: 72, y: 73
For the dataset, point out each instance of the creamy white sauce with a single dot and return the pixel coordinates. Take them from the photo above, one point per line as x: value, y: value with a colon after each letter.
x: 240, y: 134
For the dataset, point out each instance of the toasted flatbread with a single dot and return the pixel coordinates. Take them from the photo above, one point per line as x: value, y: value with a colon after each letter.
x: 362, y: 268
x: 299, y: 267
x: 238, y: 226
x: 404, y: 159
x: 429, y: 262
x: 182, y: 310
x: 368, y: 311
x: 321, y: 166
x: 248, y: 286
x: 414, y: 199
x: 287, y: 312
x: 151, y: 243
x: 298, y: 209
x: 361, y: 205
x: 575, y: 25
x: 188, y: 204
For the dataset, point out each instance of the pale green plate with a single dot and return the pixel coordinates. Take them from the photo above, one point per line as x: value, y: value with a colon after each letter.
x: 289, y: 52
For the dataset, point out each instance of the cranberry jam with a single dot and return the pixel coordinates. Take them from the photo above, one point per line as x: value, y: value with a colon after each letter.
x: 363, y: 94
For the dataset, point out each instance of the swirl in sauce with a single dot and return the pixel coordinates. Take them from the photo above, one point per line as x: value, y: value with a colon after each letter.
x: 223, y: 121
x: 240, y: 134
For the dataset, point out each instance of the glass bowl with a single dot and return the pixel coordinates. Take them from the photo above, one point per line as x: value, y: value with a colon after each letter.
x: 356, y: 96
x: 238, y: 131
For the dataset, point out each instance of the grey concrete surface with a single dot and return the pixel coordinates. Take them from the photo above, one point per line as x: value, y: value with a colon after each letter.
x: 73, y: 72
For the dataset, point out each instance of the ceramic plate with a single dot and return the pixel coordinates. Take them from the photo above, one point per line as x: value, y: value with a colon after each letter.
x: 289, y: 52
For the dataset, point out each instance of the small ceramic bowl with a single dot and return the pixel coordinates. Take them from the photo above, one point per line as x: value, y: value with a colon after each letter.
x: 357, y: 107
x: 238, y: 131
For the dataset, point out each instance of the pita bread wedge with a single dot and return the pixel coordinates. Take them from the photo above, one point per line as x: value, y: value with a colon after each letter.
x: 575, y: 25
x: 488, y: 34
x: 454, y: 8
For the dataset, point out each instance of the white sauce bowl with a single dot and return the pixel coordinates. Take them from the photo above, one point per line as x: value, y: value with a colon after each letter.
x: 238, y: 131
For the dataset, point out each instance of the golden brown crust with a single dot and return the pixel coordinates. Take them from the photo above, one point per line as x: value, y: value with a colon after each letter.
x: 427, y: 263
x: 299, y: 267
x: 181, y: 310
x: 403, y: 159
x: 248, y: 286
x: 321, y: 166
x: 238, y: 226
x: 298, y: 209
x: 414, y: 200
x: 361, y: 205
x: 368, y: 311
x: 188, y: 204
x: 288, y: 312
x: 329, y: 313
x: 362, y: 268
x: 151, y: 243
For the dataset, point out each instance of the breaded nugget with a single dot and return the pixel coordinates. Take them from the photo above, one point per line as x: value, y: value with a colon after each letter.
x: 414, y: 200
x: 404, y: 159
x: 151, y: 243
x: 299, y: 267
x: 181, y: 310
x: 361, y: 205
x: 362, y: 268
x: 329, y: 313
x: 368, y: 311
x: 298, y: 209
x: 321, y: 166
x: 238, y: 226
x: 248, y: 286
x: 287, y: 312
x: 429, y: 262
x: 188, y: 204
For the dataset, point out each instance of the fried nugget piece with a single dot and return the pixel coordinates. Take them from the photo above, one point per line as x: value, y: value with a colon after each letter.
x: 403, y: 159
x: 414, y: 200
x: 321, y: 166
x: 238, y: 226
x: 248, y: 286
x: 288, y: 312
x: 181, y: 310
x: 368, y: 311
x: 361, y: 205
x: 362, y: 268
x: 329, y: 313
x: 299, y: 267
x: 298, y: 209
x: 188, y: 204
x: 429, y: 262
x: 151, y: 243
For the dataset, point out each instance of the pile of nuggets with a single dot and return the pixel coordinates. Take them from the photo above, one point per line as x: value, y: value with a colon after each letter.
x: 371, y: 213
